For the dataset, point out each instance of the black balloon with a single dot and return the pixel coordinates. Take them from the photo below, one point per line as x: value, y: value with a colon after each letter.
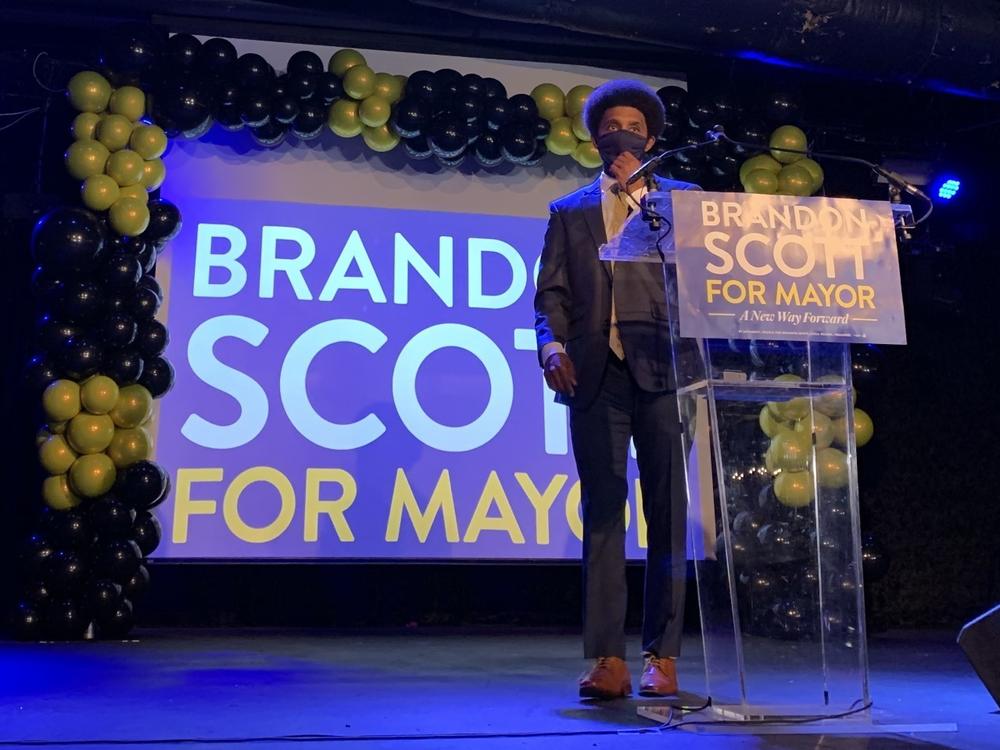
x: 131, y: 52
x: 103, y: 594
x: 65, y: 571
x: 522, y: 108
x: 110, y: 518
x: 417, y: 147
x: 38, y: 592
x: 146, y: 532
x: 116, y: 621
x: 253, y: 70
x: 164, y: 221
x: 81, y: 357
x: 702, y: 114
x: 783, y: 109
x: 309, y: 122
x: 67, y: 238
x: 272, y: 133
x: 727, y: 110
x: 874, y: 559
x: 37, y: 553
x: 496, y: 112
x: 118, y: 330
x: 674, y: 99
x: 117, y: 559
x: 468, y: 106
x: 472, y: 83
x: 181, y: 106
x: 47, y: 286
x: 52, y: 333
x: 537, y: 155
x: 229, y: 117
x: 542, y: 128
x: 328, y: 88
x: 182, y: 51
x: 280, y: 86
x: 421, y: 86
x: 66, y: 619
x: 305, y: 61
x: 81, y: 301
x: 255, y: 107
x: 143, y: 485
x: 152, y: 338
x: 866, y: 368
x: 39, y: 373
x: 517, y: 142
x: 672, y: 130
x: 121, y: 272
x: 285, y: 109
x: 446, y: 136
x: 751, y: 132
x: 27, y: 622
x: 451, y: 161
x: 216, y: 57
x: 410, y: 117
x: 493, y: 89
x: 487, y: 149
x: 67, y: 528
x: 124, y: 366
x: 137, y: 584
x: 144, y: 303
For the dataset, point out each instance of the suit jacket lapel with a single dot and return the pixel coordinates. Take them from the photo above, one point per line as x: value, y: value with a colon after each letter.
x: 593, y: 214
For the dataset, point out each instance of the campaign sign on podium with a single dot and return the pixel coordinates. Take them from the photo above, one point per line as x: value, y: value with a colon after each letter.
x: 764, y: 293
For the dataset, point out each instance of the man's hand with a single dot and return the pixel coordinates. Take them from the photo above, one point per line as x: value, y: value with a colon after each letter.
x: 622, y: 167
x: 560, y: 373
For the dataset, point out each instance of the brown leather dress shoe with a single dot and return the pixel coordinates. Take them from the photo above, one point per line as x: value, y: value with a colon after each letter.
x: 606, y: 680
x: 659, y: 678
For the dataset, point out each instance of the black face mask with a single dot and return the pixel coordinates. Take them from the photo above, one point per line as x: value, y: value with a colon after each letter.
x: 613, y: 144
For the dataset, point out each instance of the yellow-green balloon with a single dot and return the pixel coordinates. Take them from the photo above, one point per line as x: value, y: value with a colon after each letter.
x: 56, y: 455
x: 134, y: 406
x: 760, y: 161
x: 136, y: 192
x: 864, y: 428
x: 89, y: 91
x: 154, y: 172
x: 129, y: 102
x: 99, y: 394
x: 344, y: 119
x: 92, y: 475
x: 762, y: 181
x: 61, y: 400
x: 550, y: 99
x: 149, y: 141
x: 99, y: 191
x: 815, y: 171
x: 580, y: 128
x: 795, y: 180
x: 831, y: 403
x: 769, y: 460
x: 343, y: 60
x: 819, y: 426
x: 389, y: 87
x: 794, y: 488
x: 114, y: 132
x: 129, y: 216
x: 129, y: 446
x: 380, y: 139
x: 788, y: 137
x: 359, y: 82
x: 57, y: 494
x: 374, y: 111
x: 586, y: 155
x: 770, y: 424
x: 86, y: 158
x: 791, y: 451
x: 576, y: 97
x: 831, y: 468
x: 561, y: 141
x: 125, y: 167
x: 90, y: 433
x: 85, y: 126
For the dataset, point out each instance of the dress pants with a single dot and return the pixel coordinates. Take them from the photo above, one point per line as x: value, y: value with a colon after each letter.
x: 600, y: 434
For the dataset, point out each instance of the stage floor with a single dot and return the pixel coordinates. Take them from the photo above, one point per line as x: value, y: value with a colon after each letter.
x: 418, y: 690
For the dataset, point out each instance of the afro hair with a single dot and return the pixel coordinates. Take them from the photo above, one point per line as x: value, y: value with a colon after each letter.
x: 625, y: 93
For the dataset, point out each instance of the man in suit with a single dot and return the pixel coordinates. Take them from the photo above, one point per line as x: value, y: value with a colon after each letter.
x: 604, y: 346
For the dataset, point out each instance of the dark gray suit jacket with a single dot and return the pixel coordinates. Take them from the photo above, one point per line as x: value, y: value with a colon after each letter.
x: 573, y: 301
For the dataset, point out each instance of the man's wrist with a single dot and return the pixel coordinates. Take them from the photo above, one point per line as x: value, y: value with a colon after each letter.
x: 553, y: 347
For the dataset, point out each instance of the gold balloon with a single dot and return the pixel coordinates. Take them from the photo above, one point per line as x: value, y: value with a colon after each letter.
x: 129, y: 102
x: 794, y: 488
x: 137, y: 192
x: 125, y: 167
x: 831, y: 468
x: 760, y: 161
x: 99, y: 191
x: 344, y: 119
x: 99, y: 394
x: 864, y: 429
x: 795, y: 180
x: 586, y: 155
x: 154, y: 172
x: 819, y: 426
x: 788, y: 137
x: 61, y: 400
x: 90, y: 433
x: 56, y: 455
x: 380, y: 139
x: 114, y: 132
x: 92, y: 475
x: 389, y: 87
x: 550, y: 99
x: 85, y: 125
x: 149, y: 141
x: 576, y: 98
x: 770, y: 424
x: 134, y: 407
x: 832, y: 403
x: 129, y: 216
x: 580, y: 128
x: 815, y: 171
x: 86, y: 158
x: 89, y: 91
x: 561, y: 141
x: 343, y: 60
x: 762, y: 181
x: 57, y: 493
x: 129, y: 446
x: 359, y: 82
x: 374, y: 111
x: 791, y: 451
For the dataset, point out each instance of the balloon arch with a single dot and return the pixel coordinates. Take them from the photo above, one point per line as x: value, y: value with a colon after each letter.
x: 100, y: 363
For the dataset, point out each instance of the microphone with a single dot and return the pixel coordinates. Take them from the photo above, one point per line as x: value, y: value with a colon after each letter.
x: 711, y: 136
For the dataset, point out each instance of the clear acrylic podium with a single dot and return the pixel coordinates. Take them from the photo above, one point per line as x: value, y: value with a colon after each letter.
x: 771, y: 472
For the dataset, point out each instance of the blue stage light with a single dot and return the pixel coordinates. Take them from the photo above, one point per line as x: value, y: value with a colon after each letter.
x: 949, y: 188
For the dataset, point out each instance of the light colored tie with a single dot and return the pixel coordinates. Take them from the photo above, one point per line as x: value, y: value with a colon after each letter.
x: 621, y: 212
